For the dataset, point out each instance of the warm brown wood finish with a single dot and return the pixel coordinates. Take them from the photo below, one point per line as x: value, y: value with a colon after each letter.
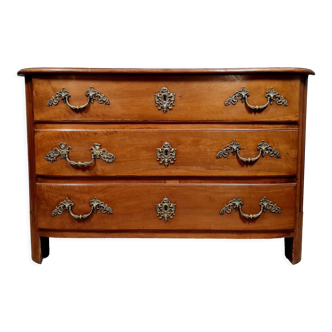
x: 198, y: 98
x: 170, y: 234
x: 135, y: 151
x: 293, y: 245
x: 199, y: 126
x: 107, y: 71
x: 197, y: 207
x: 36, y: 245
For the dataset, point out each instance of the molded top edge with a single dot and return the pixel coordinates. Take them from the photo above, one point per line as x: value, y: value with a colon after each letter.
x: 227, y: 71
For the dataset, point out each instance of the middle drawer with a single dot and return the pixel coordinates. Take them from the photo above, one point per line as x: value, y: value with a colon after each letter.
x: 179, y: 151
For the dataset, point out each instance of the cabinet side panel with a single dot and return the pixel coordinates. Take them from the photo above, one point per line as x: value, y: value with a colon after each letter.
x: 293, y: 246
x: 30, y: 140
x: 35, y: 238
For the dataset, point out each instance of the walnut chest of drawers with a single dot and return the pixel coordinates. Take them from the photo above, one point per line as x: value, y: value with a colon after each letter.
x: 166, y: 153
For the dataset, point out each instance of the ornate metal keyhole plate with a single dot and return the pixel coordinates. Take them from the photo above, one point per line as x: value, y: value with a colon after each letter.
x: 166, y: 154
x: 164, y: 99
x: 165, y: 209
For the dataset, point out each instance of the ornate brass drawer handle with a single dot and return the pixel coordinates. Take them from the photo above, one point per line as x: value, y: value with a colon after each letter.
x: 63, y: 152
x: 165, y: 209
x: 92, y: 95
x: 243, y: 94
x: 164, y: 99
x: 235, y: 148
x: 95, y: 204
x: 166, y: 154
x: 237, y: 204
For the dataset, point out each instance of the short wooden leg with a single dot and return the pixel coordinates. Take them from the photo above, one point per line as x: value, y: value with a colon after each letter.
x: 36, y: 252
x: 39, y: 247
x: 293, y: 245
x: 45, y: 246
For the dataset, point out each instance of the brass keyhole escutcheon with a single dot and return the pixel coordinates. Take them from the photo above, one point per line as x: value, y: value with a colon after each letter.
x: 165, y: 209
x: 164, y: 100
x: 166, y: 154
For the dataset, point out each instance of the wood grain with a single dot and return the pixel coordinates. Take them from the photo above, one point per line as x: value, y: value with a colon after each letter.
x: 35, y: 244
x: 135, y: 152
x: 170, y: 234
x: 198, y: 98
x: 199, y: 126
x: 158, y: 71
x: 134, y: 206
x: 293, y: 245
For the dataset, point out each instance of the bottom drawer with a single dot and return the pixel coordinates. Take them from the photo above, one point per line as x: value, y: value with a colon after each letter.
x: 165, y: 207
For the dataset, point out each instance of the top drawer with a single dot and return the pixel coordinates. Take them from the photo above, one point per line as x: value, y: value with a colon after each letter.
x: 198, y: 98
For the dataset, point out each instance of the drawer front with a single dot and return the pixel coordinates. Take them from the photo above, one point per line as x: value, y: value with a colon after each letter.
x: 197, y: 98
x: 195, y: 207
x: 198, y: 152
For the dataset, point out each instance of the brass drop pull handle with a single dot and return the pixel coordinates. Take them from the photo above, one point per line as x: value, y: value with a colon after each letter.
x: 237, y: 204
x: 91, y: 93
x: 243, y: 95
x: 95, y: 204
x: 235, y: 148
x: 63, y: 152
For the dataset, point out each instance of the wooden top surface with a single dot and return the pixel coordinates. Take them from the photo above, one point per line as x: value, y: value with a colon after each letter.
x: 226, y: 71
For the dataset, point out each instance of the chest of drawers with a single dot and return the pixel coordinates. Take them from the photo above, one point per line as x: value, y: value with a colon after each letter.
x: 166, y: 153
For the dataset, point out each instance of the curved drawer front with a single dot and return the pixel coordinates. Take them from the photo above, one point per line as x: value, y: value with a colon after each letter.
x: 165, y: 207
x: 187, y: 98
x: 167, y: 152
